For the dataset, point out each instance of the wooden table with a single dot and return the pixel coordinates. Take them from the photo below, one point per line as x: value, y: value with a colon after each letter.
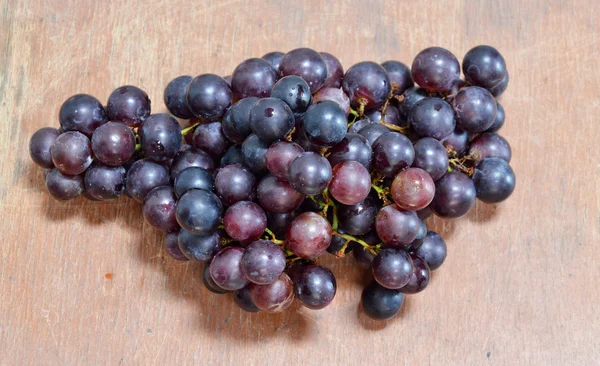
x: 88, y: 283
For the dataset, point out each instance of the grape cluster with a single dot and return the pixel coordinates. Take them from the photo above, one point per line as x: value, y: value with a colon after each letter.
x: 291, y: 157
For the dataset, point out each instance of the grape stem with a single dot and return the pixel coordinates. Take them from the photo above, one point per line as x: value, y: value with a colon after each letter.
x: 138, y: 147
x: 402, y: 130
x: 370, y: 248
x: 342, y: 252
x: 382, y: 193
x: 187, y: 130
x: 274, y: 237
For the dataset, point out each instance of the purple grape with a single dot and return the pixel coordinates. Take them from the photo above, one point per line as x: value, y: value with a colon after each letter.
x: 392, y: 152
x: 392, y: 116
x: 392, y: 268
x: 103, y: 182
x: 366, y: 83
x: 431, y: 156
x: 294, y: 91
x: 40, y: 145
x: 274, y: 58
x: 175, y: 97
x: 278, y: 196
x: 425, y: 213
x: 359, y: 219
x: 490, y: 145
x: 435, y: 69
x: 83, y: 113
x: 143, y: 176
x: 190, y: 158
x: 350, y: 183
x: 498, y: 90
x: 333, y: 95
x: 159, y: 209
x: 310, y: 173
x: 253, y: 78
x: 233, y: 155
x: 208, y: 96
x: 129, y: 105
x: 454, y: 195
x: 63, y: 187
x: 172, y: 248
x: 335, y: 71
x: 315, y: 286
x: 419, y: 278
x: 243, y: 300
x: 380, y: 303
x: 279, y: 157
x: 234, y: 183
x: 499, y: 120
x: 201, y: 248
x: 372, y: 132
x: 193, y: 177
x: 245, y: 221
x: 307, y: 64
x: 199, y: 211
x: 494, y: 180
x: 412, y: 189
x: 432, y: 250
x: 432, y: 117
x: 209, y: 137
x: 72, y: 153
x: 113, y: 143
x: 325, y: 124
x: 458, y: 141
x: 236, y: 121
x: 308, y: 236
x: 353, y: 147
x: 209, y: 283
x: 160, y: 137
x: 484, y: 66
x: 399, y: 75
x: 397, y: 228
x: 271, y: 119
x: 254, y: 151
x: 411, y: 96
x: 475, y: 109
x: 359, y: 124
x: 226, y: 269
x: 275, y: 297
x: 263, y: 262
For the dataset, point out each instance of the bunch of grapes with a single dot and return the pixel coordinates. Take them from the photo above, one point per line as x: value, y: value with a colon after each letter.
x: 291, y: 157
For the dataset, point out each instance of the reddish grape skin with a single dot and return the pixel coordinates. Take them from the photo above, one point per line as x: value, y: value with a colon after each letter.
x: 209, y: 283
x: 40, y: 145
x: 432, y: 117
x: 431, y: 156
x: 392, y: 268
x: 353, y: 147
x: 484, y: 66
x: 380, y: 303
x: 174, y: 97
x: 350, y: 183
x: 435, y: 69
x: 490, y: 145
x: 315, y: 286
x: 494, y: 180
x: 83, y: 113
x: 263, y: 262
x: 274, y: 58
x: 399, y: 75
x: 160, y: 137
x: 278, y: 196
x: 432, y: 250
x: 335, y: 95
x: 366, y: 83
x: 243, y: 299
x: 190, y: 158
x: 359, y: 219
x: 209, y: 137
x: 143, y: 176
x: 254, y: 77
x: 245, y: 221
x: 310, y: 173
x: 103, y: 182
x: 201, y: 248
x: 159, y: 209
x: 226, y: 269
x: 458, y: 141
x: 172, y: 248
x: 475, y: 109
x: 63, y: 187
x: 208, y: 96
x: 419, y: 278
x: 335, y: 71
x: 72, y: 153
x: 279, y: 157
x: 397, y: 228
x: 454, y: 195
x: 275, y: 297
x: 129, y: 105
x: 425, y: 213
x: 235, y: 183
x: 308, y: 236
x: 392, y: 152
x: 413, y: 189
x: 307, y: 64
x: 113, y: 143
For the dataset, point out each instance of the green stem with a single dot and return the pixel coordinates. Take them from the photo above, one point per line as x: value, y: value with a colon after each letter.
x: 187, y: 130
x: 370, y: 248
x: 274, y: 238
x: 382, y: 193
x: 402, y: 130
x: 138, y: 147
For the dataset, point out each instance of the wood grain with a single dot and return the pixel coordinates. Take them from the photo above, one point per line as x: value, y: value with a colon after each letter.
x: 88, y: 283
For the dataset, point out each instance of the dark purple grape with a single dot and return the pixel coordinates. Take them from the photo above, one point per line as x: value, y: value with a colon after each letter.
x: 498, y: 90
x: 305, y: 144
x: 499, y: 120
x: 208, y: 96
x: 359, y: 124
x: 113, y: 143
x: 325, y: 124
x: 233, y: 155
x: 315, y: 286
x: 143, y: 176
x: 435, y: 69
x: 103, y: 182
x: 234, y: 183
x: 432, y: 250
x: 275, y: 297
x: 308, y: 236
x: 278, y: 196
x: 294, y: 91
x: 425, y: 213
x: 432, y: 117
x: 175, y: 97
x: 209, y: 283
x: 494, y: 180
x: 236, y: 121
x: 160, y: 137
x: 307, y: 64
x: 263, y: 262
x: 372, y: 132
x: 254, y: 151
x: 484, y: 66
x: 333, y: 95
x: 209, y: 137
x: 83, y: 113
x: 201, y: 248
x: 397, y: 228
x: 63, y: 187
x: 193, y: 177
x: 454, y: 195
x: 72, y: 153
x: 391, y: 116
x: 278, y: 222
x: 411, y: 96
x: 335, y: 71
x: 381, y: 303
x: 199, y: 211
x: 458, y: 141
x: 129, y: 105
x: 399, y: 75
x: 359, y: 219
x: 353, y: 147
x: 475, y: 109
x: 245, y: 221
x: 274, y: 58
x: 422, y: 230
x: 226, y: 269
x: 279, y: 157
x: 392, y: 152
x: 190, y: 158
x: 253, y: 78
x: 243, y: 300
x: 419, y: 278
x: 159, y: 208
x: 392, y: 268
x: 412, y: 189
x: 490, y: 145
x: 40, y: 145
x: 172, y: 247
x: 366, y: 83
x: 271, y: 119
x: 310, y: 173
x: 350, y: 182
x: 431, y: 156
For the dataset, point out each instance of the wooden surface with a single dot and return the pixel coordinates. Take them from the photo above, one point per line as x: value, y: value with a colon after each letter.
x: 88, y: 283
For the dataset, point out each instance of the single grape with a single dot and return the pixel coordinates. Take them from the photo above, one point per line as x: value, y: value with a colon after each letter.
x: 454, y: 195
x: 254, y: 151
x: 315, y: 286
x: 392, y: 268
x: 143, y: 176
x: 63, y: 187
x: 233, y: 155
x: 226, y: 269
x: 353, y: 147
x: 175, y: 97
x: 193, y: 177
x: 113, y: 143
x: 475, y: 109
x: 360, y: 123
x: 190, y: 158
x: 381, y: 303
x: 199, y: 211
x: 279, y: 157
x: 83, y: 113
x: 372, y: 132
x: 410, y: 97
x: 245, y: 221
x: 278, y: 196
x: 499, y: 120
x: 435, y: 69
x: 253, y: 78
x: 172, y: 248
x: 391, y: 116
x: 159, y: 208
x: 307, y: 64
x: 458, y: 141
x: 494, y: 180
x: 431, y: 156
x: 160, y: 137
x: 308, y: 236
x: 325, y: 124
x: 263, y: 262
x: 350, y: 183
x: 392, y: 152
x: 333, y: 95
x: 397, y: 228
x: 201, y: 248
x: 359, y: 219
x: 484, y: 66
x: 209, y: 283
x: 335, y: 71
x: 432, y: 250
x: 274, y: 58
x: 208, y: 96
x: 432, y: 117
x: 490, y: 145
x: 413, y: 189
x: 310, y: 173
x: 209, y: 137
x: 294, y: 91
x: 72, y: 153
x: 275, y: 297
x: 129, y: 105
x: 278, y: 222
x: 103, y: 182
x: 243, y: 300
x: 419, y: 278
x: 271, y: 119
x: 399, y: 75
x: 40, y: 145
x: 366, y: 83
x: 498, y: 90
x: 235, y: 183
x: 236, y: 121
